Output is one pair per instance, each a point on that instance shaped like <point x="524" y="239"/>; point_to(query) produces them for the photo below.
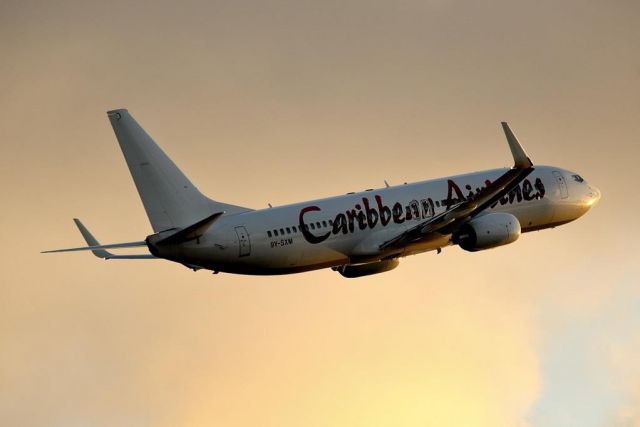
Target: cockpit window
<point x="578" y="178"/>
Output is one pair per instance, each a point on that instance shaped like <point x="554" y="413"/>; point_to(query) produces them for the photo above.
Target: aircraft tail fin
<point x="169" y="198"/>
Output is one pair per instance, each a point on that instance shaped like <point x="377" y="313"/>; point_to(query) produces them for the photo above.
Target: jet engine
<point x="488" y="231"/>
<point x="360" y="270"/>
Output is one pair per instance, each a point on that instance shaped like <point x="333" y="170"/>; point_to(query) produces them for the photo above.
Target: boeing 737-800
<point x="356" y="234"/>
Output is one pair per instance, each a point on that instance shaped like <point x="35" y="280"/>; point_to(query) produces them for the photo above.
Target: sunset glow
<point x="279" y="102"/>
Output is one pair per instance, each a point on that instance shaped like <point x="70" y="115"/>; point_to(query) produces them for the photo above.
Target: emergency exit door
<point x="243" y="241"/>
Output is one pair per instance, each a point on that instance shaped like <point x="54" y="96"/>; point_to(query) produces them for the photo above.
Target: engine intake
<point x="488" y="231"/>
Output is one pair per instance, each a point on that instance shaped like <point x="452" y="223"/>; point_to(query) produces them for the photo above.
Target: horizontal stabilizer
<point x="99" y="247"/>
<point x="91" y="241"/>
<point x="141" y="256"/>
<point x="100" y="250"/>
<point x="191" y="232"/>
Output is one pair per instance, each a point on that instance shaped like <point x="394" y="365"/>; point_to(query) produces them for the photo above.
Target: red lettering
<point x="309" y="237"/>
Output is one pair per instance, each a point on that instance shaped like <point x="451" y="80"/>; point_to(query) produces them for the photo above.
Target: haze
<point x="282" y="101"/>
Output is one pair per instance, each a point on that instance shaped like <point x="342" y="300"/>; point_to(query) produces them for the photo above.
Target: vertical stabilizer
<point x="170" y="199"/>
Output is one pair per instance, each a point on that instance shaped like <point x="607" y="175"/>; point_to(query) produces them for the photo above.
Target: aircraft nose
<point x="594" y="195"/>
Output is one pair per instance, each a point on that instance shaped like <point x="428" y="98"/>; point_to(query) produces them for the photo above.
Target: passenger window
<point x="331" y="222"/>
<point x="275" y="232"/>
<point x="313" y="227"/>
<point x="282" y="231"/>
<point x="438" y="203"/>
<point x="288" y="230"/>
<point x="294" y="229"/>
<point x="324" y="223"/>
<point x="318" y="224"/>
<point x="269" y="233"/>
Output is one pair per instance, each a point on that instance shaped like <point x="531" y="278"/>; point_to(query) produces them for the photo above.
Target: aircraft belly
<point x="430" y="245"/>
<point x="329" y="252"/>
<point x="296" y="256"/>
<point x="531" y="215"/>
<point x="567" y="211"/>
<point x="279" y="257"/>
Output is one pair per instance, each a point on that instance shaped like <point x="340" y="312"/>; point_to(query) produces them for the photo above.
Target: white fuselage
<point x="349" y="229"/>
<point x="357" y="234"/>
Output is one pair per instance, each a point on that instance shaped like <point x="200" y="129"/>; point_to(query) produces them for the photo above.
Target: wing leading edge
<point x="450" y="220"/>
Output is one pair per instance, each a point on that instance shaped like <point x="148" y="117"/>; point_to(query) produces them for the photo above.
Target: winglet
<point x="91" y="241"/>
<point x="520" y="158"/>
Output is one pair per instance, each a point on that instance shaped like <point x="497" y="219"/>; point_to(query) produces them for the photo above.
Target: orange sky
<point x="281" y="101"/>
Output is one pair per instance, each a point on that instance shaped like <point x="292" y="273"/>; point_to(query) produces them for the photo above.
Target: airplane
<point x="356" y="234"/>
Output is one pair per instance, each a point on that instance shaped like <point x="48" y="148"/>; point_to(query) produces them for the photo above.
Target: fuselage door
<point x="243" y="241"/>
<point x="562" y="184"/>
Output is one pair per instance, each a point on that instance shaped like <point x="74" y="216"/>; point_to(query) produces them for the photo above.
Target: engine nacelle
<point x="488" y="231"/>
<point x="360" y="270"/>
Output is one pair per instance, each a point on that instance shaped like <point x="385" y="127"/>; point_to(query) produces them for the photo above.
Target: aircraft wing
<point x="450" y="220"/>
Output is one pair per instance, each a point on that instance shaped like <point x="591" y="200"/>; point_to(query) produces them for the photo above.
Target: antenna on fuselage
<point x="386" y="183"/>
<point x="270" y="205"/>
